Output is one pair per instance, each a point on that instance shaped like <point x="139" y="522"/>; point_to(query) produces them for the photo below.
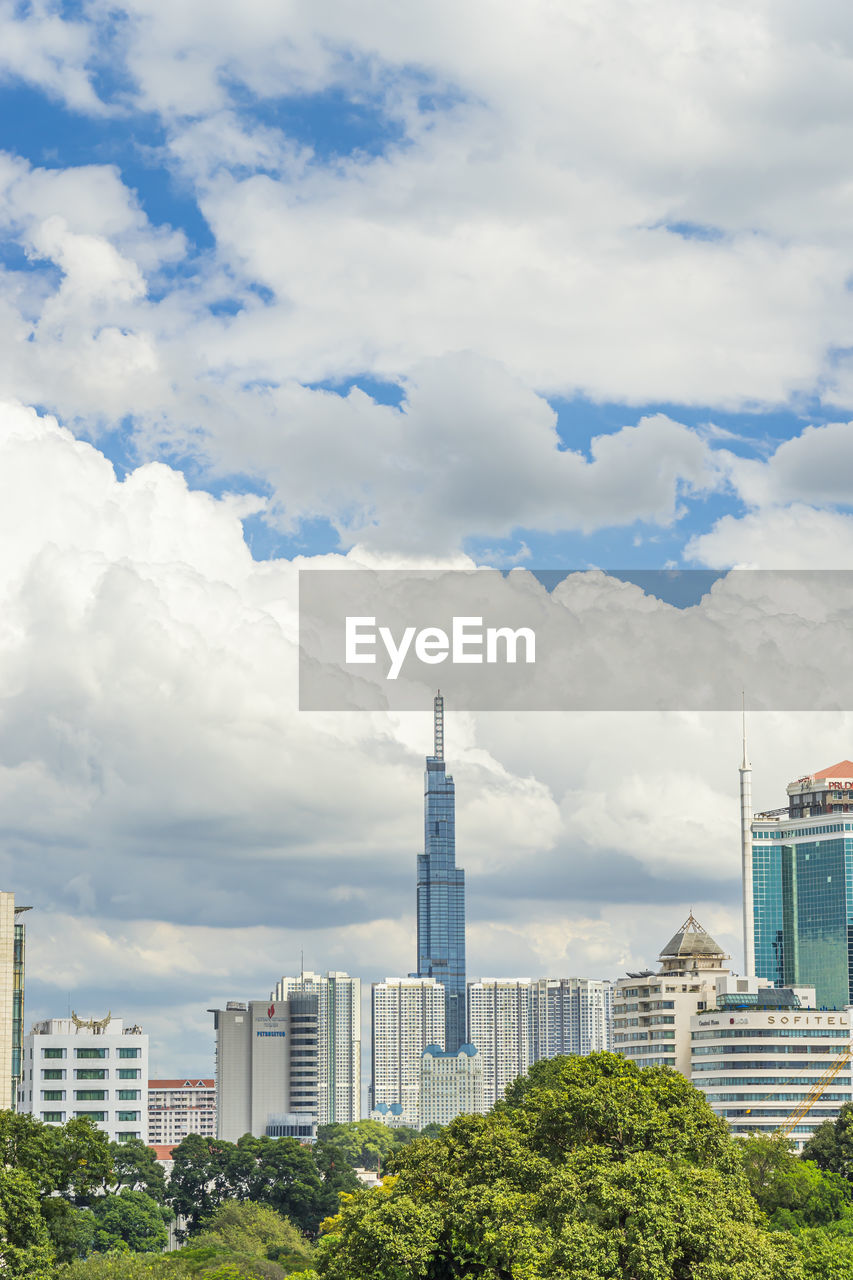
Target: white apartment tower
<point x="338" y="1041"/>
<point x="451" y="1084"/>
<point x="408" y="1015"/>
<point x="87" y="1067"/>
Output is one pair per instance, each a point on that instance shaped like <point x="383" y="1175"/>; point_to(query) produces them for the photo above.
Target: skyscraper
<point x="441" y="891"/>
<point x="802" y="885"/>
<point x="339" y="1041"/>
<point x="408" y="1015"/>
<point x="12" y="946"/>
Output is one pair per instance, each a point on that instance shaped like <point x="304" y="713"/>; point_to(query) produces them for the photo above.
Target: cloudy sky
<point x="319" y="283"/>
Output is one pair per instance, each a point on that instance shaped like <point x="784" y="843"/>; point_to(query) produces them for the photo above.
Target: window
<point x="53" y="1053"/>
<point x="128" y="1095"/>
<point x="127" y="1136"/>
<point x="129" y="1073"/>
<point x="90" y="1073"/>
<point x="53" y="1073"/>
<point x="129" y="1053"/>
<point x="53" y="1117"/>
<point x="91" y="1053"/>
<point x="53" y="1095"/>
<point x="90" y="1095"/>
<point x="98" y="1116"/>
<point x="125" y="1116"/>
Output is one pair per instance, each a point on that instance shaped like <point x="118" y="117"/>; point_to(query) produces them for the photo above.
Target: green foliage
<point x="831" y="1145"/>
<point x="135" y="1165"/>
<point x="794" y="1193"/>
<point x="71" y="1230"/>
<point x="72" y="1159"/>
<point x="130" y="1221"/>
<point x="366" y="1144"/>
<point x="25" y="1248"/>
<point x="591" y="1169"/>
<point x="259" y="1231"/>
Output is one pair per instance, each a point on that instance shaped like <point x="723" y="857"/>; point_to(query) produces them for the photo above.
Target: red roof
<point x="162" y="1151"/>
<point x="842" y="770"/>
<point x="183" y="1084"/>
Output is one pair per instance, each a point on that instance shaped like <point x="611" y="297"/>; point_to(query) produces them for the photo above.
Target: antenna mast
<point x="438" y="717"/>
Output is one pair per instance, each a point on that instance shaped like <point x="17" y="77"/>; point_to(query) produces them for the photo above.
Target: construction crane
<point x="804" y="1107"/>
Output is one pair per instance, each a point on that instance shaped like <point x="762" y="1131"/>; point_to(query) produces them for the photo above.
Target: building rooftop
<point x="182" y="1084"/>
<point x="692" y="940"/>
<point x="844" y="769"/>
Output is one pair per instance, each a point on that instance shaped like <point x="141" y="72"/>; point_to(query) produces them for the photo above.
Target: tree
<point x="831" y="1144"/>
<point x="25" y="1248"/>
<point x="591" y="1168"/>
<point x="71" y="1230"/>
<point x="793" y="1192"/>
<point x="199" y="1184"/>
<point x="130" y="1221"/>
<point x="366" y="1144"/>
<point x="135" y="1165"/>
<point x="256" y="1231"/>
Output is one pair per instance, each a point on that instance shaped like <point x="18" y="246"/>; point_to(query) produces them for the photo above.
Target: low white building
<point x="451" y="1084"/>
<point x="86" y="1067"/>
<point x="758" y="1055"/>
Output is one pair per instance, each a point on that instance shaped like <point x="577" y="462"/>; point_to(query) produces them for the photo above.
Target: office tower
<point x="500" y="1023"/>
<point x="87" y="1067"/>
<point x="571" y="1015"/>
<point x="652" y="1011"/>
<point x="759" y="1052"/>
<point x="338" y="1041"/>
<point x="267" y="1068"/>
<point x="802" y="881"/>
<point x="451" y="1084"/>
<point x="407" y="1015"/>
<point x="177" y="1108"/>
<point x="11" y="998"/>
<point x="441" y="891"/>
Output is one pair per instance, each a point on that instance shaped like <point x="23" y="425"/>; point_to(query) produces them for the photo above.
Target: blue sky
<point x="476" y="283"/>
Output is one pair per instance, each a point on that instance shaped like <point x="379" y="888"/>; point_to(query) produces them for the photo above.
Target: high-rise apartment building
<point x="407" y="1015"/>
<point x="652" y="1011"/>
<point x="441" y="891"/>
<point x="515" y="1022"/>
<point x="338" y="1041"/>
<point x="451" y="1084"/>
<point x="177" y="1108"/>
<point x="798" y="861"/>
<point x="87" y="1067"/>
<point x="267" y="1068"/>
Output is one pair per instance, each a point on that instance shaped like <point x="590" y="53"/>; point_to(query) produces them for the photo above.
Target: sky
<point x="330" y="285"/>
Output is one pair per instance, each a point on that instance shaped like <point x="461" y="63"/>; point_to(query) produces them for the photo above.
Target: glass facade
<point x="803" y="913"/>
<point x="441" y="894"/>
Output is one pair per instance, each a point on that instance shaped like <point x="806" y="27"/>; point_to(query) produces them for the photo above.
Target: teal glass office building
<point x="802" y="877"/>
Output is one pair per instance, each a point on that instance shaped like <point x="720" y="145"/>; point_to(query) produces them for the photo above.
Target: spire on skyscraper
<point x="438" y="727"/>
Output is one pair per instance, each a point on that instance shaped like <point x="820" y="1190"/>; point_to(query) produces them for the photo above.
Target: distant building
<point x="798" y="884"/>
<point x="451" y="1084"/>
<point x="407" y="1015"/>
<point x="515" y="1022"/>
<point x="12" y="948"/>
<point x="338" y="1041"/>
<point x="87" y="1067"/>
<point x="266" y="1068"/>
<point x="652" y="1011"/>
<point x="178" y="1107"/>
<point x="758" y="1052"/>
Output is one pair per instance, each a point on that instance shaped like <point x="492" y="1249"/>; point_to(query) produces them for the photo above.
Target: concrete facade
<point x="451" y="1084"/>
<point x="87" y="1067"/>
<point x="177" y="1108"/>
<point x="407" y="1015"/>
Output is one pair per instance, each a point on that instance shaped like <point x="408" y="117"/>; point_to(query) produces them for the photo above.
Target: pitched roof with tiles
<point x="182" y="1084"/>
<point x="692" y="940"/>
<point x="842" y="770"/>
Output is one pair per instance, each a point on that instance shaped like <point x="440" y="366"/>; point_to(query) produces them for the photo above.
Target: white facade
<point x="514" y="1022"/>
<point x="177" y="1108"/>
<point x="339" y="1041"/>
<point x="652" y="1011"/>
<point x="500" y="1026"/>
<point x="756" y="1065"/>
<point x="451" y="1084"/>
<point x="407" y="1015"/>
<point x="88" y="1068"/>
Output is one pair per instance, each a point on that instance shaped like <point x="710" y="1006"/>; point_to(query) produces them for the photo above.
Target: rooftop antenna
<point x="438" y="721"/>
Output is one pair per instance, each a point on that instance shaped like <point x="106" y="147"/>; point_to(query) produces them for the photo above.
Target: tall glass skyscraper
<point x="441" y="892"/>
<point x="802" y="883"/>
